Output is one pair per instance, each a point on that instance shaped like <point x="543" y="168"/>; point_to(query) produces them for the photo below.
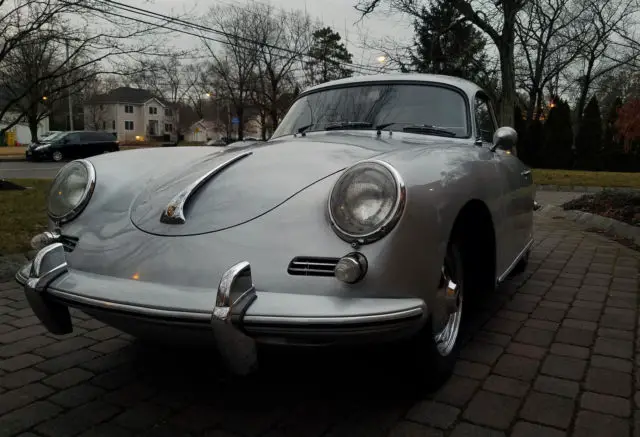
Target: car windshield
<point x="53" y="136"/>
<point x="398" y="106"/>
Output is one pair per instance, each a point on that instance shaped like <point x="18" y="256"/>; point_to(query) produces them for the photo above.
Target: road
<point x="25" y="169"/>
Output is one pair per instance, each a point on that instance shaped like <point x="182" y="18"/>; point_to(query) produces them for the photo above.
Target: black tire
<point x="431" y="368"/>
<point x="57" y="156"/>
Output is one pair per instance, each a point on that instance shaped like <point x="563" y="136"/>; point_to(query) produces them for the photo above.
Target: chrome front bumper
<point x="237" y="318"/>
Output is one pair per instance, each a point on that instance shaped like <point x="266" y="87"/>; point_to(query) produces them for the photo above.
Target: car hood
<point x="249" y="187"/>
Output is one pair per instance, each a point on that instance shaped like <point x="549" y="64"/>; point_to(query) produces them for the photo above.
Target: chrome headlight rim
<point x="389" y="223"/>
<point x="86" y="194"/>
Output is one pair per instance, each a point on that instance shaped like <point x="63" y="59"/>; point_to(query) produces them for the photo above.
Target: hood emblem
<point x="173" y="213"/>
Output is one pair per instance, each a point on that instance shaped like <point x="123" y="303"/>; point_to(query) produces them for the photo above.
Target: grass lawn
<point x="586" y="178"/>
<point x="24" y="214"/>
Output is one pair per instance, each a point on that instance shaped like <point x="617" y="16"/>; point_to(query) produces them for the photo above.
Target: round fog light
<point x="351" y="268"/>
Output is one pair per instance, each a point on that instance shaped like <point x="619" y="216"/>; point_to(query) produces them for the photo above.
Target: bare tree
<point x="496" y="18"/>
<point x="95" y="115"/>
<point x="283" y="39"/>
<point x="165" y="76"/>
<point x="232" y="66"/>
<point x="549" y="40"/>
<point x="61" y="43"/>
<point x="608" y="27"/>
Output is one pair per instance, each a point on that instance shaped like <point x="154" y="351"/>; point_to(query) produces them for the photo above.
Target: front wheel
<point x="433" y="352"/>
<point x="57" y="156"/>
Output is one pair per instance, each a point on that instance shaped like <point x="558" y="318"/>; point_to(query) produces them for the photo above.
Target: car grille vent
<point x="68" y="242"/>
<point x="312" y="266"/>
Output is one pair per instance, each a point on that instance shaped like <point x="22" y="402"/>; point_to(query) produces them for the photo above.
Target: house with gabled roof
<point x="133" y="114"/>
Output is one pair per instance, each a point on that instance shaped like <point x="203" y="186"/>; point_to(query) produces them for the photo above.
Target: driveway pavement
<point x="552" y="353"/>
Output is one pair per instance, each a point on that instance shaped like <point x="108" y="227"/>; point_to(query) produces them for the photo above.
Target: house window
<point x="101" y="107"/>
<point x="113" y="124"/>
<point x="128" y="125"/>
<point x="153" y="110"/>
<point x="168" y="127"/>
<point x="128" y="109"/>
<point x="167" y="112"/>
<point x="104" y="125"/>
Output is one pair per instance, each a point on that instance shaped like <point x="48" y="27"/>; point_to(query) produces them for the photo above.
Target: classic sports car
<point x="378" y="206"/>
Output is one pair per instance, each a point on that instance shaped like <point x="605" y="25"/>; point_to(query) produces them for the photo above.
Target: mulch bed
<point x="618" y="205"/>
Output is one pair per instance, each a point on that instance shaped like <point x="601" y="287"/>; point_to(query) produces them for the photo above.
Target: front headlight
<point x="366" y="202"/>
<point x="71" y="190"/>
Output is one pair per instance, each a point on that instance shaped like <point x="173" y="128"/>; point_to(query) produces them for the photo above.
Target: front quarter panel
<point x="440" y="182"/>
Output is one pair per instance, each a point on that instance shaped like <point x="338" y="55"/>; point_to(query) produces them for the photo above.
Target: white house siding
<point x="196" y="137"/>
<point x="22" y="131"/>
<point x="140" y="117"/>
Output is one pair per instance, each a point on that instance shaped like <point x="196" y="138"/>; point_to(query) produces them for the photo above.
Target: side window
<point x="85" y="137"/>
<point x="72" y="138"/>
<point x="484" y="119"/>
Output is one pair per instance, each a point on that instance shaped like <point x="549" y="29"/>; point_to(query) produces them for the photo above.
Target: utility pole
<point x="69" y="91"/>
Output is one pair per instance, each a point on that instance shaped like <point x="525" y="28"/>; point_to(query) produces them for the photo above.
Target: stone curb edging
<point x="611" y="227"/>
<point x="582" y="189"/>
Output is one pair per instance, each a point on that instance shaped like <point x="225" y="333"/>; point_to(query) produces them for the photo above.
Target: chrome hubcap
<point x="446" y="338"/>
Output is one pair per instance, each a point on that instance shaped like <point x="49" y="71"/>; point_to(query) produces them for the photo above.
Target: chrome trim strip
<point x="386" y="226"/>
<point x="206" y="316"/>
<point x="86" y="195"/>
<point x="116" y="306"/>
<point x="502" y="277"/>
<point x="174" y="211"/>
<point x="372" y="318"/>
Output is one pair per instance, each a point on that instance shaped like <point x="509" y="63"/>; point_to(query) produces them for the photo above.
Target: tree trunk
<point x="32" y="119"/>
<point x="531" y="108"/>
<point x="263" y="125"/>
<point x="240" y="115"/>
<point x="508" y="82"/>
<point x="584" y="91"/>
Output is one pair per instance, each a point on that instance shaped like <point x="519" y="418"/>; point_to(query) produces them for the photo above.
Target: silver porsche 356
<point x="377" y="207"/>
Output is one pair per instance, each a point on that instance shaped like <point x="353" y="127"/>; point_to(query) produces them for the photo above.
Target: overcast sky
<point x="339" y="14"/>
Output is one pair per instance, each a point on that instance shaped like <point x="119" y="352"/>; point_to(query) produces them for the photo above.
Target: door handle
<point x="526" y="173"/>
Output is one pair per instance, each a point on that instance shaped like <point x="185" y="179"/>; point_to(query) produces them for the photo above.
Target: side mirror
<point x="505" y="138"/>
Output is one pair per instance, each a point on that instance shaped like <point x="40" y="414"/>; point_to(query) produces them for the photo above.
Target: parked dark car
<point x="73" y="145"/>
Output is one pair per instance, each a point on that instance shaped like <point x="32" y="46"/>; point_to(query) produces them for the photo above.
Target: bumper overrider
<point x="235" y="319"/>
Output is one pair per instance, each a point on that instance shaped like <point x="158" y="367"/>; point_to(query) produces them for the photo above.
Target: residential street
<point x="553" y="357"/>
<point x="26" y="169"/>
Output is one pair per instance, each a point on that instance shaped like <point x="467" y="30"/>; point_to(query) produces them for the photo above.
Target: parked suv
<point x="73" y="145"/>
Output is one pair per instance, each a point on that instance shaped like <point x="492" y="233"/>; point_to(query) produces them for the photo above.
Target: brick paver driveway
<point x="552" y="353"/>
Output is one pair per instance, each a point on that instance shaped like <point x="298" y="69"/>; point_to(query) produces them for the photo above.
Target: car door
<point x="71" y="145"/>
<point x="95" y="143"/>
<point x="511" y="179"/>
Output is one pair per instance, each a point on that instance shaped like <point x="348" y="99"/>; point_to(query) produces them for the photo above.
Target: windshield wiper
<point x="302" y="129"/>
<point x="349" y="125"/>
<point x="427" y="129"/>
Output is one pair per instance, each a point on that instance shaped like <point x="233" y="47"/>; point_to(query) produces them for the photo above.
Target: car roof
<point x="465" y="85"/>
